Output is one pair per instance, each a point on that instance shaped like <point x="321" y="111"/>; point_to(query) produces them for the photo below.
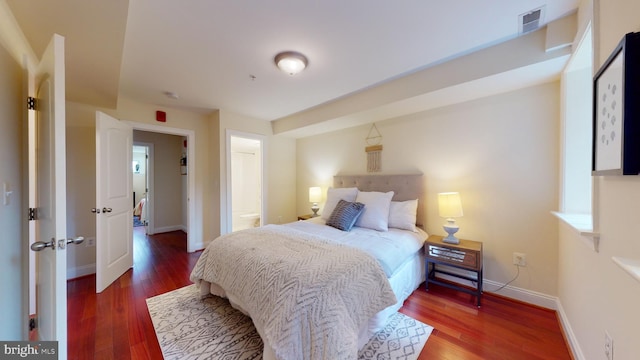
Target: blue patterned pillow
<point x="345" y="214"/>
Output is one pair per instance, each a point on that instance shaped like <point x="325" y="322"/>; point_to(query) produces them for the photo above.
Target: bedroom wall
<point x="167" y="183"/>
<point x="81" y="190"/>
<point x="11" y="214"/>
<point x="499" y="152"/>
<point x="595" y="293"/>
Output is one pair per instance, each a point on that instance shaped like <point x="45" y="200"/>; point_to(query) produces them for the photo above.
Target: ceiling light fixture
<point x="291" y="62"/>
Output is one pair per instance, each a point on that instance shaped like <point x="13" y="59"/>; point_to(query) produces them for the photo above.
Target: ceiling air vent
<point x="530" y="21"/>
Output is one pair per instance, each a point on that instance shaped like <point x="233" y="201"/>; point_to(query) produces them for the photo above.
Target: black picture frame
<point x="616" y="111"/>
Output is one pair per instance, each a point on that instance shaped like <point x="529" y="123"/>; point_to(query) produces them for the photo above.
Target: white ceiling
<point x="207" y="50"/>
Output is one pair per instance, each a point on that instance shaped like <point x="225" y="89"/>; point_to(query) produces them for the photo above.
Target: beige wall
<point x="499" y="152"/>
<point x="167" y="180"/>
<point x="81" y="191"/>
<point x="596" y="294"/>
<point x="11" y="214"/>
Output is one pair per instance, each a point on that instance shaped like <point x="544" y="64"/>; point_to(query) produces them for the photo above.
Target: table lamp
<point x="315" y="196"/>
<point x="450" y="207"/>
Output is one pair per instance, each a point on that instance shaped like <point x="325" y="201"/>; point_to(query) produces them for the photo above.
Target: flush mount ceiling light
<point x="291" y="62"/>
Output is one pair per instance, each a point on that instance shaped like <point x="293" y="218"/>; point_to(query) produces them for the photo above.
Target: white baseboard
<point x="165" y="229"/>
<point x="524" y="295"/>
<point x="576" y="351"/>
<point x="79" y="271"/>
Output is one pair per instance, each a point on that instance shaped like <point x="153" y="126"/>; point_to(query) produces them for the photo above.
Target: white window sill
<point x="583" y="224"/>
<point x="631" y="266"/>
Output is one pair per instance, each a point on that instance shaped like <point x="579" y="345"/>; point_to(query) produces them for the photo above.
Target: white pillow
<point x="335" y="195"/>
<point x="402" y="214"/>
<point x="376" y="210"/>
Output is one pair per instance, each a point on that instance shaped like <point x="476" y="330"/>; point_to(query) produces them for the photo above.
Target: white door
<point x="50" y="197"/>
<point x="114" y="196"/>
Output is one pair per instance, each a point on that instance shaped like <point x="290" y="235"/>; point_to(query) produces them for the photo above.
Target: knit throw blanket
<point x="311" y="296"/>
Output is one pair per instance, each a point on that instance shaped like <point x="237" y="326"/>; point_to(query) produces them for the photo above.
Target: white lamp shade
<point x="315" y="194"/>
<point x="449" y="205"/>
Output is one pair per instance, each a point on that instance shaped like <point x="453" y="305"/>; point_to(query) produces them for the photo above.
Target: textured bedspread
<point x="310" y="295"/>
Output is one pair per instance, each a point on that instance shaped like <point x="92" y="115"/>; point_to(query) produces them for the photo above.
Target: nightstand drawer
<point x="453" y="256"/>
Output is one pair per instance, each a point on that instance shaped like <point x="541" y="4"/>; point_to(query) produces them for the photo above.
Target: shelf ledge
<point x="631" y="266"/>
<point x="583" y="225"/>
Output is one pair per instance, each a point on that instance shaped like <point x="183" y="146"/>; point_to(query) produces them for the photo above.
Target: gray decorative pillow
<point x="345" y="214"/>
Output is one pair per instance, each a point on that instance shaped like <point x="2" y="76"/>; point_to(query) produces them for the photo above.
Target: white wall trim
<point x="520" y="294"/>
<point x="524" y="295"/>
<point x="164" y="229"/>
<point x="570" y="336"/>
<point x="79" y="271"/>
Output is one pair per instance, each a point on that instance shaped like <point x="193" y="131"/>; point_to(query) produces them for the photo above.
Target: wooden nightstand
<point x="305" y="217"/>
<point x="466" y="256"/>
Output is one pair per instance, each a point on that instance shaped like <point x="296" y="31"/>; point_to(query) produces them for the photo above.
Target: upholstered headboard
<point x="405" y="187"/>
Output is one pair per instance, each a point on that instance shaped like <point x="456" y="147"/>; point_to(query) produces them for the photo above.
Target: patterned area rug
<point x="188" y="327"/>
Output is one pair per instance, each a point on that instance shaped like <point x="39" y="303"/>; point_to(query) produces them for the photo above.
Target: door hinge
<point x="31" y="103"/>
<point x="32" y="324"/>
<point x="32" y="214"/>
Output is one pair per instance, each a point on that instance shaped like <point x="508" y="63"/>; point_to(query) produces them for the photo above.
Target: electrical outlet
<point x="90" y="241"/>
<point x="519" y="259"/>
<point x="608" y="346"/>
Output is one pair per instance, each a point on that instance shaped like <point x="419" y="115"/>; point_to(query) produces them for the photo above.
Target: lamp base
<point x="451" y="229"/>
<point x="315" y="209"/>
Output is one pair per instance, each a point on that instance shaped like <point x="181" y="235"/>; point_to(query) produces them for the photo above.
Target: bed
<point x="313" y="290"/>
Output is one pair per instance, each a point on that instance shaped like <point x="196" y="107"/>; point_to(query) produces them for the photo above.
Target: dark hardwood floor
<point x="116" y="324"/>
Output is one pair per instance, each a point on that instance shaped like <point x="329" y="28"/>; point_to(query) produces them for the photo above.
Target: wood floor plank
<point x="115" y="324"/>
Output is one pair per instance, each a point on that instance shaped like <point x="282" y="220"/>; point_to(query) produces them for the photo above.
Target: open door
<point x="114" y="196"/>
<point x="50" y="197"/>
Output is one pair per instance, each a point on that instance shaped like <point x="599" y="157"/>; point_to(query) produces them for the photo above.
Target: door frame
<point x="194" y="232"/>
<point x="149" y="183"/>
<point x="263" y="179"/>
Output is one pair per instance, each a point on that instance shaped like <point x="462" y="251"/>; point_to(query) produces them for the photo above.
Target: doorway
<point x="187" y="183"/>
<point x="158" y="181"/>
<point x="142" y="152"/>
<point x="245" y="199"/>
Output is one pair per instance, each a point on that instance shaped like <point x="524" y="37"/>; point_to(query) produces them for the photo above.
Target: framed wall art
<point x="616" y="111"/>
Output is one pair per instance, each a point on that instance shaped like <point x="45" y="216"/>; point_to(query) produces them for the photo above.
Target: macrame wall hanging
<point x="374" y="150"/>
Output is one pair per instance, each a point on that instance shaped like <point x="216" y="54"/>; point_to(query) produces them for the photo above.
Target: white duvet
<point x="391" y="248"/>
<point x="308" y="296"/>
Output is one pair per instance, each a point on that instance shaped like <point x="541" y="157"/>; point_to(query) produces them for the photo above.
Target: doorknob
<point x="64" y="242"/>
<point x="106" y="210"/>
<point x="95" y="211"/>
<point x="76" y="241"/>
<point x="39" y="245"/>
